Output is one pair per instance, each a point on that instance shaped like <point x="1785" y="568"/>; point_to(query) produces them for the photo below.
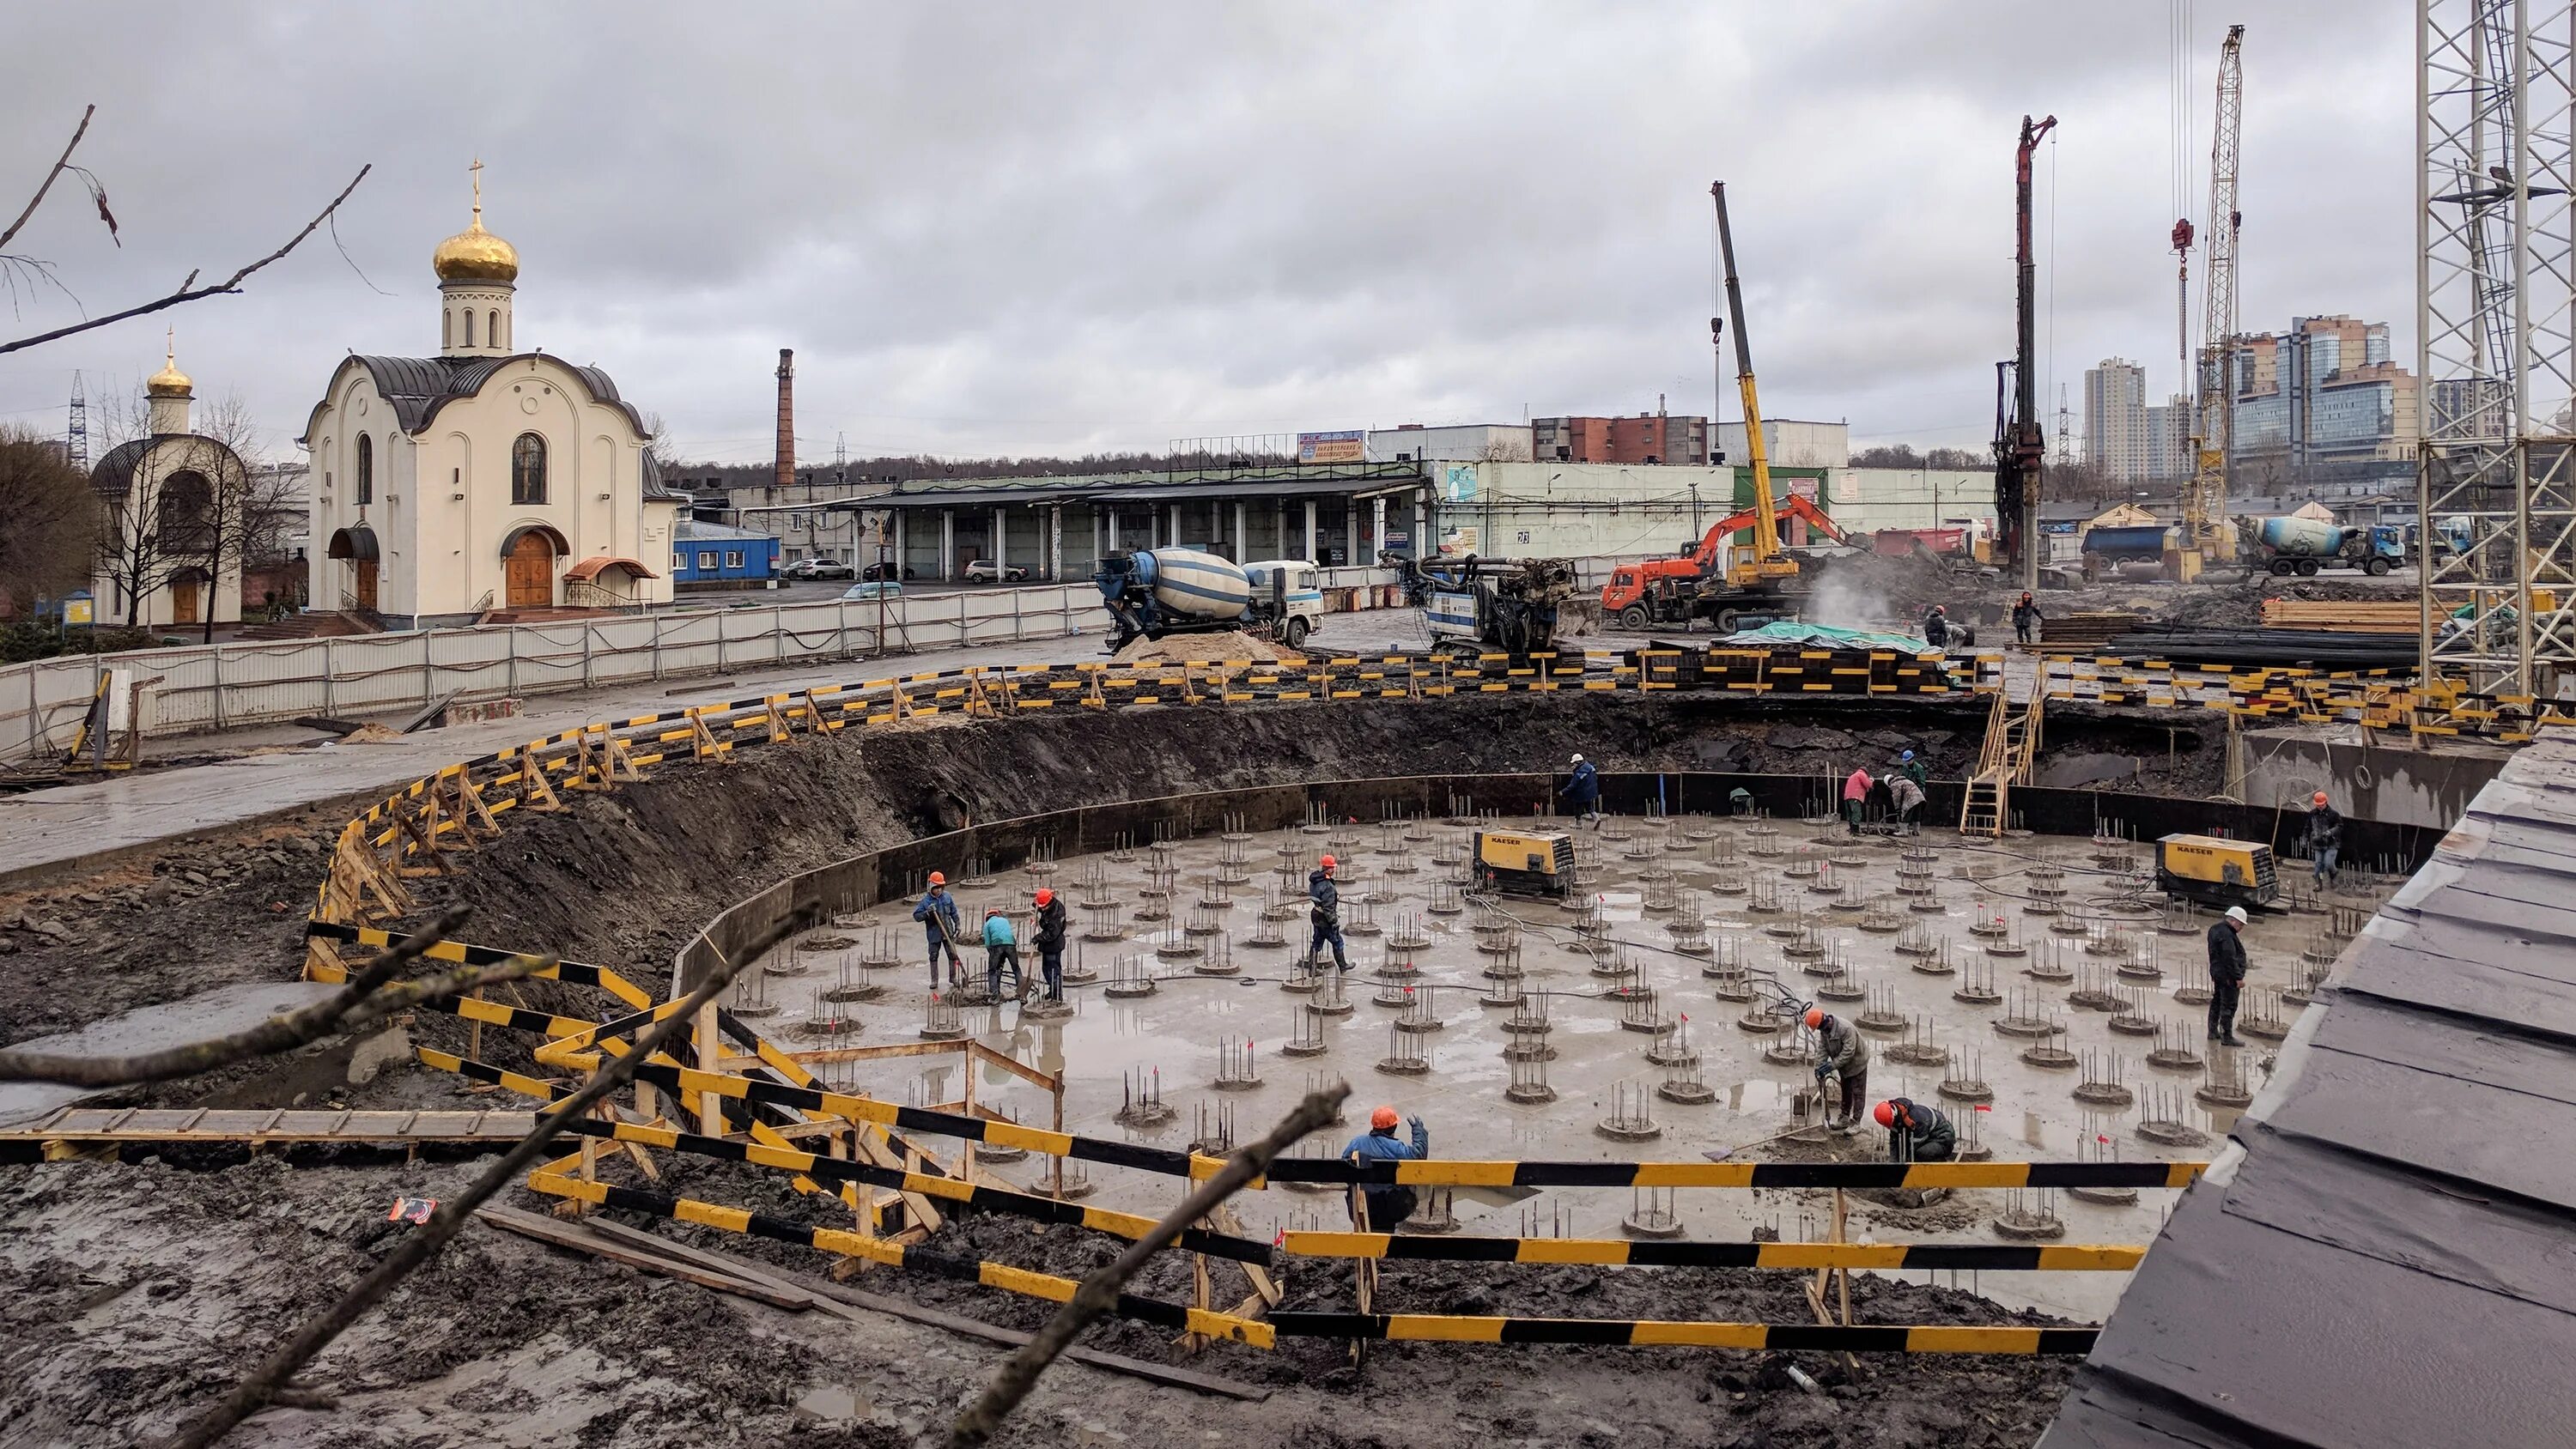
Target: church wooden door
<point x="531" y="572"/>
<point x="183" y="601"/>
<point x="367" y="584"/>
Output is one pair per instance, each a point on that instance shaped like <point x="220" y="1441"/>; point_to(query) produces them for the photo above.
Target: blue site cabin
<point x="718" y="556"/>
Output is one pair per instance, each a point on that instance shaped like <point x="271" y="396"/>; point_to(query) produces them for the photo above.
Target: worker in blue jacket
<point x="1388" y="1204"/>
<point x="1324" y="911"/>
<point x="938" y="916"/>
<point x="1583" y="791"/>
<point x="1002" y="948"/>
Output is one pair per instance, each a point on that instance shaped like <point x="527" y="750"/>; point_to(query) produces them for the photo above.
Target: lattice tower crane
<point x="2204" y="504"/>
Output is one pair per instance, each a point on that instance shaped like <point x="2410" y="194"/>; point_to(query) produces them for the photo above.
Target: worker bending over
<point x="2226" y="974"/>
<point x="1907" y="797"/>
<point x="1324" y="910"/>
<point x="1936" y="626"/>
<point x="1002" y="948"/>
<point x="938" y="916"/>
<point x="2025" y="617"/>
<point x="1583" y="791"/>
<point x="2325" y="838"/>
<point x="1840" y="1052"/>
<point x="1385" y="1205"/>
<point x="1050" y="943"/>
<point x="1856" y="787"/>
<point x="1916" y="1132"/>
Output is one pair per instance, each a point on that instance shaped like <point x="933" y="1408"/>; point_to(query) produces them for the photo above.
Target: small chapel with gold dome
<point x="486" y="481"/>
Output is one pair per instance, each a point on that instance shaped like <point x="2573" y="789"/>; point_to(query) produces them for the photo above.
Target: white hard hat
<point x="2236" y="914"/>
<point x="1577" y="760"/>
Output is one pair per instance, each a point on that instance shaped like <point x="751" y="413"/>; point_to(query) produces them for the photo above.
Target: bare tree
<point x="238" y="504"/>
<point x="48" y="520"/>
<point x="16" y="268"/>
<point x="182" y="506"/>
<point x="1506" y="450"/>
<point x="665" y="452"/>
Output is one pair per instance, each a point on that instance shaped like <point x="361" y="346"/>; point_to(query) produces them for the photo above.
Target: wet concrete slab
<point x="1780" y="903"/>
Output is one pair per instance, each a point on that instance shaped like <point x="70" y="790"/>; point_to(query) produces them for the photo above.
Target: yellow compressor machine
<point x="1525" y="862"/>
<point x="2217" y="870"/>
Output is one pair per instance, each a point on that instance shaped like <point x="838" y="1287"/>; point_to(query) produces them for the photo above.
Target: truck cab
<point x="1288" y="592"/>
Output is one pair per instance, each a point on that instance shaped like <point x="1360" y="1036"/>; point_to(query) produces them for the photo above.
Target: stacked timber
<point x="2343" y="616"/>
<point x="2084" y="632"/>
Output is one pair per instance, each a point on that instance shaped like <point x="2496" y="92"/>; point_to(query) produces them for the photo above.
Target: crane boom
<point x="1766" y="526"/>
<point x="2204" y="510"/>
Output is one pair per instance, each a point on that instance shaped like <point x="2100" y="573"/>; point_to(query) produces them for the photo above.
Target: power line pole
<point x="76" y="432"/>
<point x="2065" y="432"/>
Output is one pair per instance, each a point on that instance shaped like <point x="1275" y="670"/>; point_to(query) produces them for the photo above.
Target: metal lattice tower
<point x="2065" y="432"/>
<point x="2496" y="323"/>
<point x="2214" y="424"/>
<point x="76" y="429"/>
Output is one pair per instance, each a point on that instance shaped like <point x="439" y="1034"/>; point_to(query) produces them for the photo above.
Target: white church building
<point x="174" y="509"/>
<point x="482" y="481"/>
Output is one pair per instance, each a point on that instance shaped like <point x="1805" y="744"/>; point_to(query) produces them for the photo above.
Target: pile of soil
<point x="1224" y="644"/>
<point x="2240" y="605"/>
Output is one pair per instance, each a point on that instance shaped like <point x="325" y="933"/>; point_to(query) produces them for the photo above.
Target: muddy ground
<point x="140" y="1288"/>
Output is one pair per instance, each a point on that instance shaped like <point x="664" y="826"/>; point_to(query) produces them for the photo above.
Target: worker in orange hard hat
<point x="1324" y="910"/>
<point x="1916" y="1132"/>
<point x="938" y="916"/>
<point x="2325" y="838"/>
<point x="1840" y="1052"/>
<point x="1050" y="944"/>
<point x="1387" y="1203"/>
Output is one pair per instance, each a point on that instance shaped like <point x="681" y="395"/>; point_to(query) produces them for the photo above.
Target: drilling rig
<point x="2021" y="443"/>
<point x="2206" y="537"/>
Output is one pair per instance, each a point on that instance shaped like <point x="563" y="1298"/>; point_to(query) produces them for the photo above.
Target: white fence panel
<point x="476" y="661"/>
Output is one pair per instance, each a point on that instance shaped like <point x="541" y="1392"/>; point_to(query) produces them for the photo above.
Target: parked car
<point x="881" y="571"/>
<point x="872" y="590"/>
<point x="985" y="571"/>
<point x="820" y="568"/>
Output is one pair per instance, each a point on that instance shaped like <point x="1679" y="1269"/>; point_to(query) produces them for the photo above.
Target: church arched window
<point x="469" y="326"/>
<point x="447" y="328"/>
<point x="186" y="509"/>
<point x="366" y="469"/>
<point x="492" y="328"/>
<point x="528" y="469"/>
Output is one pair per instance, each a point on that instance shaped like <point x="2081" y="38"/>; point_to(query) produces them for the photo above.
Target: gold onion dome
<point x="475" y="255"/>
<point x="169" y="381"/>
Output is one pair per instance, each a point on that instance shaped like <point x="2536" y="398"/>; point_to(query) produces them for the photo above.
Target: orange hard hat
<point x="1045" y="895"/>
<point x="1382" y="1117"/>
<point x="936" y="878"/>
<point x="1815" y="1016"/>
<point x="1328" y="862"/>
<point x="2318" y="798"/>
<point x="1885" y="1112"/>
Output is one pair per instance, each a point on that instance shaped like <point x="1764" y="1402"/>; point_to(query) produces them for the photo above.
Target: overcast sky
<point x="1027" y="229"/>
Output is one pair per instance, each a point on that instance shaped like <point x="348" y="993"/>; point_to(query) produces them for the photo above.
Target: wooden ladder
<point x="2011" y="747"/>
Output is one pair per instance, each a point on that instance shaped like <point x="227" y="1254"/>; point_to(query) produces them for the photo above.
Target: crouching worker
<point x="1001" y="948"/>
<point x="1387" y="1204"/>
<point x="1915" y="1132"/>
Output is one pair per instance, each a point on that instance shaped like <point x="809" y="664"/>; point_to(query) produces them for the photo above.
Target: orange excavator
<point x="1719" y="581"/>
<point x="1694" y="585"/>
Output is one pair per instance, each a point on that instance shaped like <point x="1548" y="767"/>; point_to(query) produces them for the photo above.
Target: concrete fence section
<point x="222" y="686"/>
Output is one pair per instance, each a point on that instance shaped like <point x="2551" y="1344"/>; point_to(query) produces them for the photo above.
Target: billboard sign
<point x="1458" y="483"/>
<point x="1350" y="446"/>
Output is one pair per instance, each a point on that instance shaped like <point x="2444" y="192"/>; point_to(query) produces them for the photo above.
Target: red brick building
<point x="1645" y="438"/>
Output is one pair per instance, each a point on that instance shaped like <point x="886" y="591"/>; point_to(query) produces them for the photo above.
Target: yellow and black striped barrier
<point x="895" y="1255"/>
<point x="1621" y="1253"/>
<point x="1655" y="1333"/>
<point x="947" y="1189"/>
<point x="458" y="953"/>
<point x="1445" y="1172"/>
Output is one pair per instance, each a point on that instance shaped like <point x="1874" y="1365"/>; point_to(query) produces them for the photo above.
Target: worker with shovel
<point x="1916" y="1132"/>
<point x="1840" y="1052"/>
<point x="938" y="915"/>
<point x="1002" y="948"/>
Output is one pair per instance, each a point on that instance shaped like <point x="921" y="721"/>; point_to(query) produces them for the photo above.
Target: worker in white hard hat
<point x="2226" y="974"/>
<point x="1583" y="791"/>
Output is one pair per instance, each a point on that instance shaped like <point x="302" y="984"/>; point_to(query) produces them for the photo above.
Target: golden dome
<point x="475" y="255"/>
<point x="169" y="381"/>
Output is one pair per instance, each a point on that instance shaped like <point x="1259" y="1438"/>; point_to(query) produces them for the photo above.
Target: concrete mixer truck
<point x="1154" y="592"/>
<point x="2293" y="545"/>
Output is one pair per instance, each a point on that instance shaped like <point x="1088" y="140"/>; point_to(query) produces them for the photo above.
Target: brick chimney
<point x="786" y="417"/>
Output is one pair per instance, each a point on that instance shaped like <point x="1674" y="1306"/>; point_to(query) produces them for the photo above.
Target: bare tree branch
<point x="409" y="994"/>
<point x="1099" y="1292"/>
<point x="61" y="164"/>
<point x="277" y="1034"/>
<point x="261" y="1388"/>
<point x="185" y="292"/>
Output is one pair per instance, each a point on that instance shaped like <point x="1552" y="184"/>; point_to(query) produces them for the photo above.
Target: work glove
<point x="1823" y="1070"/>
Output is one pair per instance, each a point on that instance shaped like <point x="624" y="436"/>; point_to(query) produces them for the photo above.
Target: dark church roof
<point x="419" y="386"/>
<point x="113" y="476"/>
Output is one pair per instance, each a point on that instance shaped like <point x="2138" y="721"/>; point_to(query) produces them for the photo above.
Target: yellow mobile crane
<point x="1762" y="565"/>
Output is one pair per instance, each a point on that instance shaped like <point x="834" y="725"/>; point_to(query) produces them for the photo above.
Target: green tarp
<point x="1787" y="634"/>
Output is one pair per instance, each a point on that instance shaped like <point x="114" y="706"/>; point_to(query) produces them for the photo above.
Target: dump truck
<point x="1154" y="592"/>
<point x="2294" y="545"/>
